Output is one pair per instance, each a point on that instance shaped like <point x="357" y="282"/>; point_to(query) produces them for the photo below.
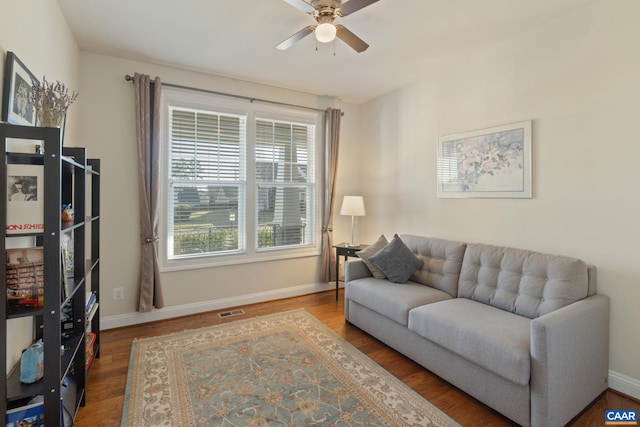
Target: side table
<point x="347" y="251"/>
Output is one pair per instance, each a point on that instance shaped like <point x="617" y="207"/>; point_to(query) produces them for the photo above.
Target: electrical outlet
<point x="118" y="294"/>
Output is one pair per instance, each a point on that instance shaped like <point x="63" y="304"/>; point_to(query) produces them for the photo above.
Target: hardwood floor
<point x="105" y="391"/>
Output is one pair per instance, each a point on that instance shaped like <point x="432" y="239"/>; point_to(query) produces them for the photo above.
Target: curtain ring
<point x="151" y="239"/>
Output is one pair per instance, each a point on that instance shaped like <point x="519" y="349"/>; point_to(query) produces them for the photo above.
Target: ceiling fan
<point x="325" y="12"/>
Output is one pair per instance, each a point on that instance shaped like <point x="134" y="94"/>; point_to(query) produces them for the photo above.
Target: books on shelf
<point x="90" y="339"/>
<point x="25" y="279"/>
<point x="25" y="199"/>
<point x="90" y="299"/>
<point x="91" y="306"/>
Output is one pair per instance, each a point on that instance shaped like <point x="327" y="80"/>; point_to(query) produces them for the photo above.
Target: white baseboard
<point x="624" y="384"/>
<point x="120" y="320"/>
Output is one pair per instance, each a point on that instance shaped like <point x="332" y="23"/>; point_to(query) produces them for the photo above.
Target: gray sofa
<point x="521" y="331"/>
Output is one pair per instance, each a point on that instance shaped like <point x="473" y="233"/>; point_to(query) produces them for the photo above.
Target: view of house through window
<point x="214" y="206"/>
<point x="285" y="182"/>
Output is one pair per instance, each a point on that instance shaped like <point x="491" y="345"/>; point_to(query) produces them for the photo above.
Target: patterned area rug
<point x="286" y="369"/>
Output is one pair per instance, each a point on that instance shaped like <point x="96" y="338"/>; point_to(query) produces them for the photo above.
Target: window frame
<point x="220" y="104"/>
<point x="312" y="156"/>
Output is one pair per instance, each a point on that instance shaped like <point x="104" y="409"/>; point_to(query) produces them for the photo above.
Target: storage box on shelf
<point x="49" y="289"/>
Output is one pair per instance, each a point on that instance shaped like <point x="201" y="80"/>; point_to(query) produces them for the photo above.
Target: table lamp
<point x="354" y="206"/>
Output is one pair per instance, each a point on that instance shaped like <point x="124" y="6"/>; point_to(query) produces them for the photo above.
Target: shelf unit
<point x="60" y="319"/>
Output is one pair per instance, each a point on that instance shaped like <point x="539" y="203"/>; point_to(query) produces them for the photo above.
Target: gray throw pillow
<point x="370" y="251"/>
<point x="396" y="261"/>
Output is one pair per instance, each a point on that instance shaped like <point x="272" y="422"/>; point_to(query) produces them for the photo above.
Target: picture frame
<point x="65" y="288"/>
<point x="16" y="107"/>
<point x="24" y="279"/>
<point x="67" y="245"/>
<point x="25" y="199"/>
<point x="487" y="163"/>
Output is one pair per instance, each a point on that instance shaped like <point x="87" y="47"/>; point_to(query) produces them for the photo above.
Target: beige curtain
<point x="147" y="107"/>
<point x="332" y="120"/>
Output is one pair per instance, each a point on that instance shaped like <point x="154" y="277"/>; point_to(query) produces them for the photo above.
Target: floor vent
<point x="231" y="313"/>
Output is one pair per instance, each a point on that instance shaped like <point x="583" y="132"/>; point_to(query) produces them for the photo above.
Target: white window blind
<point x="285" y="180"/>
<point x="207" y="182"/>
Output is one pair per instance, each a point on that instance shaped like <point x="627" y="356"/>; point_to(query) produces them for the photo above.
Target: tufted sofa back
<point x="441" y="262"/>
<point x="524" y="282"/>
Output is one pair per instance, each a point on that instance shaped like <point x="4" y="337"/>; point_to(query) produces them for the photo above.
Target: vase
<point x="50" y="118"/>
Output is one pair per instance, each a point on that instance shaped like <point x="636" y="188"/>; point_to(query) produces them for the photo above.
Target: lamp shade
<point x="353" y="205"/>
<point x="325" y="32"/>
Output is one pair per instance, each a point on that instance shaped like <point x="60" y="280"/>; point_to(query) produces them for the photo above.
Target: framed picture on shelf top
<point x="16" y="107"/>
<point x="488" y="163"/>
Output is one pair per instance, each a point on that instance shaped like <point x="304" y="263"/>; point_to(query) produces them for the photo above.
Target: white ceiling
<point x="238" y="37"/>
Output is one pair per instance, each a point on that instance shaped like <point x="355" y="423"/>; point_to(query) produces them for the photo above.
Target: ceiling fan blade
<point x="301" y="5"/>
<point x="351" y="39"/>
<point x="296" y="37"/>
<point x="354" y="5"/>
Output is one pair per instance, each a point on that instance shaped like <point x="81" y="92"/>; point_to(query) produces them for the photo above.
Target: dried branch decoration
<point x="51" y="101"/>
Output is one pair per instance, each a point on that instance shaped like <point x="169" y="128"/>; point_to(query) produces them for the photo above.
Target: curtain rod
<point x="246" y="98"/>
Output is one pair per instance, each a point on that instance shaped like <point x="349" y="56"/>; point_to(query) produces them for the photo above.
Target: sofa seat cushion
<point x="392" y="300"/>
<point x="492" y="338"/>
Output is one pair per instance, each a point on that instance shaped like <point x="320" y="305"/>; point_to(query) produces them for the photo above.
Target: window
<point x="207" y="181"/>
<point x="240" y="181"/>
<point x="286" y="184"/>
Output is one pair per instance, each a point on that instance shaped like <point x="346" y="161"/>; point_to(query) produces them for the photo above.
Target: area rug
<point x="285" y="369"/>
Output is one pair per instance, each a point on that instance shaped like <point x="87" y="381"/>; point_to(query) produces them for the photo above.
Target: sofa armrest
<point x="569" y="360"/>
<point x="355" y="269"/>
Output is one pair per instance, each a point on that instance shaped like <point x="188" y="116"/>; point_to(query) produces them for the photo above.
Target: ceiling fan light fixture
<point x="325" y="32"/>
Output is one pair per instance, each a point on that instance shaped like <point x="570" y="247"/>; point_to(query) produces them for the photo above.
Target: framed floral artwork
<point x="18" y="80"/>
<point x="488" y="163"/>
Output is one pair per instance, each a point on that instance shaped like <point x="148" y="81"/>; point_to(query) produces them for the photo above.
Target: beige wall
<point x="107" y="128"/>
<point x="38" y="34"/>
<point x="578" y="79"/>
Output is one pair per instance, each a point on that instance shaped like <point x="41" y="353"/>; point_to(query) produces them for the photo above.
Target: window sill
<point x="194" y="263"/>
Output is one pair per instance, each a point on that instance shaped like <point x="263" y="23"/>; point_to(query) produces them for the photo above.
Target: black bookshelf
<point x="59" y="312"/>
